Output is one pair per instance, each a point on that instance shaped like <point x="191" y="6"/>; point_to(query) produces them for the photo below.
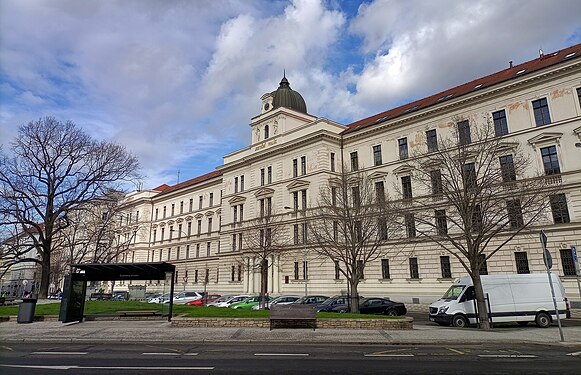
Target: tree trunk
<point x="44" y="275"/>
<point x="263" y="281"/>
<point x="480" y="302"/>
<point x="354" y="297"/>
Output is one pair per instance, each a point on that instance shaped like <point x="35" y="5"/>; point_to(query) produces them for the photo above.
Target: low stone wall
<point x="389" y="324"/>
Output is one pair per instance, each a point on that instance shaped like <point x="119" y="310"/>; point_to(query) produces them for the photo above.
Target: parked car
<point x="219" y="300"/>
<point x="383" y="306"/>
<point x="249" y="303"/>
<point x="310" y="300"/>
<point x="184" y="297"/>
<point x="159" y="299"/>
<point x="334" y="304"/>
<point x="204" y="301"/>
<point x="231" y="300"/>
<point x="281" y="300"/>
<point x="120" y="295"/>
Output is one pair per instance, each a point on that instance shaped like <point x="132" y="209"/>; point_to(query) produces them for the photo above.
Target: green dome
<point x="286" y="97"/>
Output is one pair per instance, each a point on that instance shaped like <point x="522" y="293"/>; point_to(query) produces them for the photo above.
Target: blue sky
<point x="177" y="82"/>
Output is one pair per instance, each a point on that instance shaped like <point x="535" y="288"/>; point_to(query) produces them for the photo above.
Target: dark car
<point x="310" y="300"/>
<point x="381" y="306"/>
<point x="334" y="304"/>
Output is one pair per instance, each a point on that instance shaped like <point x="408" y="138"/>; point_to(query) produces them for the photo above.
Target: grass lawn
<point x="110" y="307"/>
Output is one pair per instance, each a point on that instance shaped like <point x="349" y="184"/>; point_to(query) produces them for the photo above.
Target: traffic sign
<point x="547" y="259"/>
<point x="543" y="239"/>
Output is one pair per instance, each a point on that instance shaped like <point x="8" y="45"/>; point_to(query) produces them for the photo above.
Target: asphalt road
<point x="421" y="319"/>
<point x="271" y="359"/>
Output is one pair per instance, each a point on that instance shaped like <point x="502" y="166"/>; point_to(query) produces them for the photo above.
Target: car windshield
<point x="454" y="292"/>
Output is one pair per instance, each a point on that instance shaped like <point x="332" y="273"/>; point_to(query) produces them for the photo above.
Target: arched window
<point x="266" y="132"/>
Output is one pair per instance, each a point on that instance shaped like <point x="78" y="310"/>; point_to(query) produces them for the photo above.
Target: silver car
<point x="282" y="300"/>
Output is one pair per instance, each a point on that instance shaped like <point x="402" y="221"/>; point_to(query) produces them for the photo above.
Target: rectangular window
<point x="507" y="168"/>
<point x="464" y="136"/>
<point x="233" y="242"/>
<point x="162" y="234"/>
<point x="233" y="276"/>
<point x="181" y="207"/>
<point x="295" y="167"/>
<point x="173" y="208"/>
<point x="240" y="241"/>
<point x="432" y="140"/>
<point x="414" y="269"/>
<point x="211" y="199"/>
<point x="406" y="187"/>
<point x="579" y="96"/>
<point x="305" y="238"/>
<point x="377" y="155"/>
<point x="500" y="124"/>
<point x="385" y="269"/>
<point x="189" y="228"/>
<point x="360" y="270"/>
<point x="445" y="267"/>
<point x="332" y="162"/>
<point x="559" y="208"/>
<point x="550" y="160"/>
<point x="356" y="197"/>
<point x="195" y="276"/>
<point x="262" y="176"/>
<point x="156" y="213"/>
<point x="334" y="196"/>
<point x="200" y="202"/>
<point x="154" y="235"/>
<point x="208" y="246"/>
<point x="379" y="192"/>
<point x="296" y="271"/>
<point x="296" y="234"/>
<point x="304" y="199"/>
<point x="191" y="204"/>
<point x="476" y="219"/>
<point x="382" y="228"/>
<point x="337" y="270"/>
<point x="436" y="180"/>
<point x="261" y="202"/>
<point x="235" y="216"/>
<point x="410" y="225"/>
<point x="303" y="165"/>
<point x="180" y="231"/>
<point x="239" y="273"/>
<point x="296" y="200"/>
<point x="305" y="270"/>
<point x="335" y="230"/>
<point x="164" y="211"/>
<point x="469" y="176"/>
<point x="197" y="250"/>
<point x="236" y="184"/>
<point x="209" y="225"/>
<point x="403" y="148"/>
<point x="199" y="226"/>
<point x="269" y="175"/>
<point x="514" y="210"/>
<point x="241" y="212"/>
<point x="522" y="262"/>
<point x="567" y="262"/>
<point x="242" y="183"/>
<point x="187" y="251"/>
<point x="541" y="111"/>
<point x="483" y="265"/>
<point x="441" y="222"/>
<point x="354" y="161"/>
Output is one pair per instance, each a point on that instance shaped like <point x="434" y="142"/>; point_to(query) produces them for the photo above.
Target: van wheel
<point x="460" y="321"/>
<point x="543" y="320"/>
<point x="522" y="324"/>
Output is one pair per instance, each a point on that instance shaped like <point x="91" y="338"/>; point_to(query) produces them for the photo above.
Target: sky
<point x="177" y="82"/>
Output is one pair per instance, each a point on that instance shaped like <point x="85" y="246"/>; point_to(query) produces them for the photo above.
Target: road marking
<point x="574" y="354"/>
<point x="108" y="367"/>
<point x="388" y="355"/>
<point x="507" y="356"/>
<point x="166" y="353"/>
<point x="282" y="354"/>
<point x="61" y="353"/>
<point x="455" y="351"/>
<point x="7" y="348"/>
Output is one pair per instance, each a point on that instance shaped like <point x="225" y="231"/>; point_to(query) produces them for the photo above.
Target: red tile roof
<point x="508" y="74"/>
<point x="191" y="182"/>
<point x="162" y="187"/>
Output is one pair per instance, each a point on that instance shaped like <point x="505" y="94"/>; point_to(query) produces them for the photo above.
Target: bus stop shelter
<point x="75" y="286"/>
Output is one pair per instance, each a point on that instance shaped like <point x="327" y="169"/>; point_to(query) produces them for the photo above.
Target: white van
<point x="519" y="298"/>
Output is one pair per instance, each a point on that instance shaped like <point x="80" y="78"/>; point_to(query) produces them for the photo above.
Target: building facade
<point x="200" y="224"/>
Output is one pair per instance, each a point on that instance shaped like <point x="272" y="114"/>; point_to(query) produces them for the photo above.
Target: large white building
<point x="198" y="225"/>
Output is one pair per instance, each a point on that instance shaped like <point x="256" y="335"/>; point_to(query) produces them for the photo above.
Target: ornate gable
<point x="264" y="192"/>
<point x="545" y="138"/>
<point x="297" y="185"/>
<point x="237" y="199"/>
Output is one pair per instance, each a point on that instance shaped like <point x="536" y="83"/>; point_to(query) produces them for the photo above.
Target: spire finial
<point x="284" y="73"/>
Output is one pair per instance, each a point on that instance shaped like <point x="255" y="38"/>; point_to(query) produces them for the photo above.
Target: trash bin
<point x="26" y="310"/>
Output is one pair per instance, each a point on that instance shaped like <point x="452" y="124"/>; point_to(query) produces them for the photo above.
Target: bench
<point x="8" y="301"/>
<point x="296" y="316"/>
<point x="139" y="313"/>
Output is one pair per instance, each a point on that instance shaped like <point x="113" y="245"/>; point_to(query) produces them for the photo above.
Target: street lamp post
<point x="304" y="251"/>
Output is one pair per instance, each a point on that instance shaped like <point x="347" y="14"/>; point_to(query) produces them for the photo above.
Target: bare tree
<point x="477" y="198"/>
<point x="55" y="168"/>
<point x="351" y="225"/>
<point x="264" y="238"/>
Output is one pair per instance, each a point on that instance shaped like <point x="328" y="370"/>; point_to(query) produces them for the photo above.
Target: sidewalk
<point x="162" y="332"/>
